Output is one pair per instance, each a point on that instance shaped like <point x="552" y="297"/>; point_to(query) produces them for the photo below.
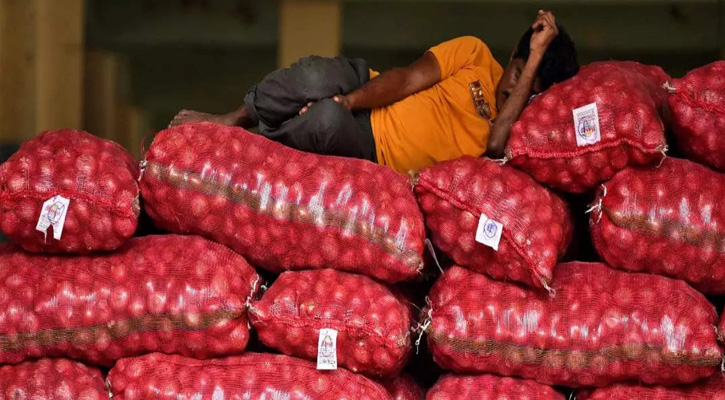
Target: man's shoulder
<point x="472" y="41"/>
<point x="462" y="53"/>
<point x="464" y="46"/>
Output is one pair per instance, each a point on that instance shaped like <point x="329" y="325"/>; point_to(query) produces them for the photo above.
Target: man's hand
<point x="306" y="108"/>
<point x="342" y="99"/>
<point x="545" y="30"/>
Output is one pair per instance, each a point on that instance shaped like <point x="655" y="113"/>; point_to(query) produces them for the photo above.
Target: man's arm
<point x="513" y="108"/>
<point x="545" y="31"/>
<point x="393" y="85"/>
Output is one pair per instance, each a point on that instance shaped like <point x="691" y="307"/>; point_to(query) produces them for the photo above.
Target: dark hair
<point x="559" y="62"/>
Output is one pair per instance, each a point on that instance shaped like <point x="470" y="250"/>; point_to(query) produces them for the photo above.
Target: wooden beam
<point x="133" y="128"/>
<point x="309" y="27"/>
<point x="108" y="109"/>
<point x="101" y="94"/>
<point x="18" y="57"/>
<point x="59" y="65"/>
<point x="41" y="66"/>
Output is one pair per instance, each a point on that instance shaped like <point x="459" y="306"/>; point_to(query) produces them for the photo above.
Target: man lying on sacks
<point x="456" y="100"/>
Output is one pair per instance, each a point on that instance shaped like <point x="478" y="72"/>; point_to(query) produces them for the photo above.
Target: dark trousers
<point x="327" y="127"/>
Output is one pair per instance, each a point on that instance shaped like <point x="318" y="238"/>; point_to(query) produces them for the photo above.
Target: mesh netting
<point x="602" y="327"/>
<point x="172" y="294"/>
<point x="710" y="389"/>
<point x="373" y="324"/>
<point x="51" y="379"/>
<point x="461" y="387"/>
<point x="628" y="97"/>
<point x="251" y="376"/>
<point x="698" y="114"/>
<point x="96" y="175"/>
<point x="667" y="221"/>
<point x="536" y="224"/>
<point x="281" y="208"/>
<point x="404" y="387"/>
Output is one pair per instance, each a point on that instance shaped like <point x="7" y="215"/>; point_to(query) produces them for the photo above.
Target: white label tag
<point x="586" y="125"/>
<point x="53" y="214"/>
<point x="489" y="232"/>
<point x="327" y="350"/>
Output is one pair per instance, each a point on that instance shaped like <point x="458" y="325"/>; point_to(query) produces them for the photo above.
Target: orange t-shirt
<point x="442" y="122"/>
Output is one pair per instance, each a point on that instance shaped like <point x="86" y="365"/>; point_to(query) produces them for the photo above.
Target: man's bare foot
<point x="189" y="116"/>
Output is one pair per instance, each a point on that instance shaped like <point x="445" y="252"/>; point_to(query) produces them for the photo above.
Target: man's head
<point x="558" y="64"/>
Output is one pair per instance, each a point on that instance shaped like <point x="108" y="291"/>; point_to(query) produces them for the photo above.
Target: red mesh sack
<point x="97" y="177"/>
<point x="546" y="143"/>
<point x="711" y="389"/>
<point x="602" y="327"/>
<point x="404" y="387"/>
<point x="457" y="387"/>
<point x="281" y="208"/>
<point x="372" y="324"/>
<point x="667" y="221"/>
<point x="250" y="376"/>
<point x="697" y="102"/>
<point x="51" y="379"/>
<point x="172" y="294"/>
<point x="536" y="223"/>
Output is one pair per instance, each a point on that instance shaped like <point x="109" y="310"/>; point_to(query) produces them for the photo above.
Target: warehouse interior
<point x="121" y="70"/>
